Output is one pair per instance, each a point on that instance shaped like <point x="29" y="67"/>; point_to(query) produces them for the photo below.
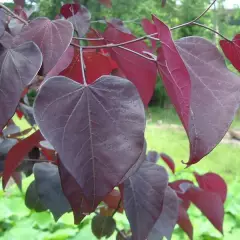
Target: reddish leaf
<point x="168" y="160"/>
<point x="106" y="123"/>
<point x="210" y="205"/>
<point x="23" y="62"/>
<point x="184" y="222"/>
<point x="149" y="28"/>
<point x="112" y="200"/>
<point x="51" y="37"/>
<point x="143" y="198"/>
<point x="107" y="3"/>
<point x="232" y="50"/>
<point x="93" y="60"/>
<point x="140" y="71"/>
<point x="63" y="62"/>
<point x="215" y="92"/>
<point x="168" y="217"/>
<point x="17" y="154"/>
<point x="92" y="33"/>
<point x="174" y="73"/>
<point x="213" y="183"/>
<point x="74" y="194"/>
<point x="68" y="10"/>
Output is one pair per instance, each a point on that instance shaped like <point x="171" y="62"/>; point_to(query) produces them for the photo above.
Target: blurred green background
<point x="163" y="133"/>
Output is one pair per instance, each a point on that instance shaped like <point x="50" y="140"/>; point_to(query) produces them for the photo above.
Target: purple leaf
<point x="63" y="62"/>
<point x="74" y="194"/>
<point x="47" y="145"/>
<point x="214" y="98"/>
<point x="11" y="129"/>
<point x="49" y="189"/>
<point x="23" y="62"/>
<point x="28" y="113"/>
<point x="98" y="146"/>
<point x="143" y="198"/>
<point x="168" y="218"/>
<point x="152" y="156"/>
<point x="52" y="37"/>
<point x="137" y="165"/>
<point x="118" y="24"/>
<point x="81" y="21"/>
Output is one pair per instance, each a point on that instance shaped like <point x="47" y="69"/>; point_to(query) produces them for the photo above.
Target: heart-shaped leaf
<point x="110" y="130"/>
<point x="23" y="62"/>
<point x="32" y="200"/>
<point x="49" y="189"/>
<point x="174" y="73"/>
<point x="52" y="37"/>
<point x="143" y="198"/>
<point x="74" y="194"/>
<point x="138" y="70"/>
<point x="17" y="154"/>
<point x="231" y="50"/>
<point x="149" y="28"/>
<point x="215" y="92"/>
<point x="212" y="182"/>
<point x="168" y="218"/>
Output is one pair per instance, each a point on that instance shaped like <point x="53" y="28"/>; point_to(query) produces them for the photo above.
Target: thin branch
<point x="88" y="39"/>
<point x="197" y="18"/>
<point x="137" y="53"/>
<point x="210" y="29"/>
<point x="13" y="14"/>
<point x="82" y="66"/>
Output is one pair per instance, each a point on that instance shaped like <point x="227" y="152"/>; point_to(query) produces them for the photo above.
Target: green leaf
<point x="42" y="220"/>
<point x="62" y="234"/>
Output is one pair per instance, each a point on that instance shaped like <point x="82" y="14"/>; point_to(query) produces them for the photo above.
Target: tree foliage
<point x="86" y="147"/>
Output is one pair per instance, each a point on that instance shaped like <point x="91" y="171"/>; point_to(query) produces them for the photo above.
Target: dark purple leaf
<point x="215" y="92"/>
<point x="81" y="21"/>
<point x="174" y="73"/>
<point x="110" y="130"/>
<point x="74" y="194"/>
<point x="168" y="160"/>
<point x="168" y="218"/>
<point x="23" y="62"/>
<point x="52" y="37"/>
<point x="143" y="198"/>
<point x="32" y="200"/>
<point x="184" y="221"/>
<point x="6" y="40"/>
<point x="138" y="70"/>
<point x="49" y="189"/>
<point x="152" y="156"/>
<point x="212" y="182"/>
<point x="137" y="165"/>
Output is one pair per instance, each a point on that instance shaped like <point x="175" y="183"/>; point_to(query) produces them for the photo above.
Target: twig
<point x="88" y="39"/>
<point x="13" y="14"/>
<point x="210" y="29"/>
<point x="82" y="66"/>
